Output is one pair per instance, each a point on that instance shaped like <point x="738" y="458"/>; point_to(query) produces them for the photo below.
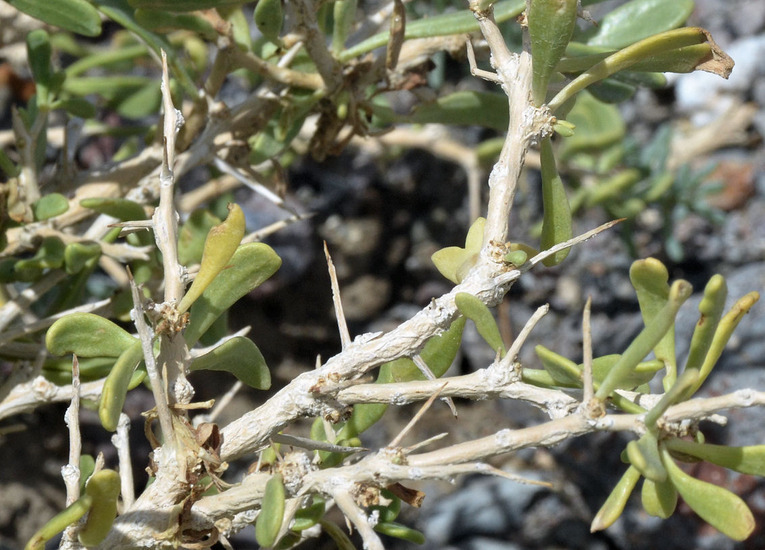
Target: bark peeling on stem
<point x="165" y="217"/>
<point x="526" y="123"/>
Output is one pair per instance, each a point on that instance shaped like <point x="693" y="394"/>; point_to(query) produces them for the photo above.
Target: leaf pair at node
<point x="228" y="272"/>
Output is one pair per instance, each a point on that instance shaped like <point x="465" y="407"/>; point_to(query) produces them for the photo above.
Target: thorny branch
<point x="461" y="458"/>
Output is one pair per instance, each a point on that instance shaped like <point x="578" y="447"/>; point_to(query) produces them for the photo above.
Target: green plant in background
<point x="319" y="65"/>
<point x="652" y="455"/>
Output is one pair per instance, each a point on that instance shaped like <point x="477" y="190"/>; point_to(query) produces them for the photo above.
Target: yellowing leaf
<point x="249" y="267"/>
<point x="659" y="499"/>
<point x="454" y="262"/>
<point x="221" y="243"/>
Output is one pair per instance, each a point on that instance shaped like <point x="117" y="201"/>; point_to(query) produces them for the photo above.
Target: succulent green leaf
<point x="659" y="499"/>
<point x="723" y="333"/>
<point x="248" y="268"/>
<point x="453" y="262"/>
<point x="269" y="18"/>
<point x="539" y="377"/>
<point x="644" y="455"/>
<point x="488" y="151"/>
<point x="643" y="373"/>
<point x="564" y="128"/>
<point x="269" y="521"/>
<point x="73" y="513"/>
<point x="87" y="467"/>
<point x="265" y="146"/>
<point x="516" y="257"/>
<point x="239" y="356"/>
<point x="717" y="506"/>
<point x="556" y="223"/>
<point x="647" y="339"/>
<point x="711" y="309"/>
<point x="59" y="371"/>
<point x="614" y="505"/>
<point x="390" y="511"/>
<point x="13" y="269"/>
<point x="220" y="244"/>
<point x="551" y="24"/>
<point x="79" y="255"/>
<point x="650" y="279"/>
<point x="399" y="531"/>
<point x="640" y="19"/>
<point x="73" y="15"/>
<point x="87" y="335"/>
<point x="240" y="28"/>
<point x="116" y="386"/>
<point x="474" y="237"/>
<point x="104" y="488"/>
<point x="563" y="371"/>
<point x="122" y="209"/>
<point x="269" y="455"/>
<point x="49" y="255"/>
<point x="747" y="460"/>
<point x="475" y="310"/>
